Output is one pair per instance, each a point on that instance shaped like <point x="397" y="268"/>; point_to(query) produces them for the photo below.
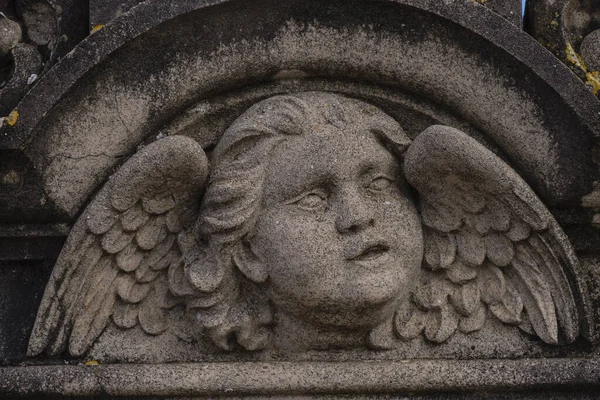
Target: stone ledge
<point x="272" y="378"/>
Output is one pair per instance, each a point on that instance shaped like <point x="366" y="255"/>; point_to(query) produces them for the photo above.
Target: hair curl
<point x="237" y="311"/>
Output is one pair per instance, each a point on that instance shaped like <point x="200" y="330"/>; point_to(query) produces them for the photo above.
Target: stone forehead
<point x="328" y="150"/>
<point x="306" y="113"/>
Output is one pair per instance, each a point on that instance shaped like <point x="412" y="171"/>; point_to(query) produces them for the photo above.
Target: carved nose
<point x="354" y="214"/>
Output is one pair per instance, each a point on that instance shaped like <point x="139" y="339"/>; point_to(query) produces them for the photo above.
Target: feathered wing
<point x="491" y="247"/>
<point x="122" y="260"/>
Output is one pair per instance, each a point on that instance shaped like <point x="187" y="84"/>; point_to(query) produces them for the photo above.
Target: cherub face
<point x="338" y="234"/>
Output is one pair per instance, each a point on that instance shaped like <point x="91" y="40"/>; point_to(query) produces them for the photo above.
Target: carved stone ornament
<point x="570" y="30"/>
<point x="328" y="198"/>
<point x="317" y="224"/>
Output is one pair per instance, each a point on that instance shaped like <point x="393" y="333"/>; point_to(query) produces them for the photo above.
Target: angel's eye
<point x="312" y="201"/>
<point x="380" y="184"/>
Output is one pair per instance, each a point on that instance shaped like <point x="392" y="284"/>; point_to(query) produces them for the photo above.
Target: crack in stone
<point x="70" y="157"/>
<point x="102" y="390"/>
<point x="118" y="111"/>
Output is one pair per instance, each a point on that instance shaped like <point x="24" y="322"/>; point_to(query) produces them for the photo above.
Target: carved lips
<point x="370" y="251"/>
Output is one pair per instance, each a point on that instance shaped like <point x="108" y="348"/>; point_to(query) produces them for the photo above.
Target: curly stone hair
<point x="237" y="311"/>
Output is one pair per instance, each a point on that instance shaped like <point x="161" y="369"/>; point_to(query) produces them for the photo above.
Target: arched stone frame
<point x="549" y="106"/>
<point x="108" y="81"/>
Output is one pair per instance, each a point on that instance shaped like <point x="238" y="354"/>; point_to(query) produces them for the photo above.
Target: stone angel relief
<point x="320" y="225"/>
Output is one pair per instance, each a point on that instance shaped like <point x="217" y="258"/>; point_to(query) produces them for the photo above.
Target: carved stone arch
<point x="461" y="84"/>
<point x="126" y="81"/>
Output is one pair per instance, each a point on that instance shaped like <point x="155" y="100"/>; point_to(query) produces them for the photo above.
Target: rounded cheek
<point x="297" y="251"/>
<point x="306" y="266"/>
<point x="403" y="227"/>
<point x="411" y="237"/>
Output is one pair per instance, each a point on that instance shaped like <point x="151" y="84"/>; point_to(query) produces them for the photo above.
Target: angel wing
<point x="122" y="260"/>
<point x="491" y="247"/>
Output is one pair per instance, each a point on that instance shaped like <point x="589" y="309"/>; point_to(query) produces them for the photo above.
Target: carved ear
<point x="248" y="262"/>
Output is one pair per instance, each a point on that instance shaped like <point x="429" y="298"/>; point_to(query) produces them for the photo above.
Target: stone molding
<point x="302" y="378"/>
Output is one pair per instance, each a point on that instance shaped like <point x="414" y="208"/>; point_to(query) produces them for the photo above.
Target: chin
<point x="378" y="290"/>
<point x="356" y="313"/>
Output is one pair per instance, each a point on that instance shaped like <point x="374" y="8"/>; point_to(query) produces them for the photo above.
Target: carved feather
<point x="130" y="257"/>
<point x="130" y="290"/>
<point x="174" y="222"/>
<point x="465" y="298"/>
<point x="510" y="306"/>
<point x="440" y="249"/>
<point x="508" y="241"/>
<point x="144" y="274"/>
<point x="115" y="262"/>
<point x="101" y="218"/>
<point x="471" y="246"/>
<point x="98" y="306"/>
<point x="125" y="315"/>
<point x="519" y="230"/>
<point x="433" y="293"/>
<point x="441" y="324"/>
<point x="475" y="321"/>
<point x="116" y="239"/>
<point x="441" y="217"/>
<point x="133" y="218"/>
<point x="411" y="324"/>
<point x="480" y="223"/>
<point x="151" y="233"/>
<point x="159" y="251"/>
<point x="460" y="272"/>
<point x="536" y="299"/>
<point x="178" y="281"/>
<point x="492" y="283"/>
<point x="552" y="256"/>
<point x="499" y="249"/>
<point x="499" y="214"/>
<point x="159" y="204"/>
<point x="151" y="316"/>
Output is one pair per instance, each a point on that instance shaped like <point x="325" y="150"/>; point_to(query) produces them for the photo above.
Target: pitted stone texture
<point x="590" y="50"/>
<point x="422" y="62"/>
<point x="49" y="29"/>
<point x="563" y="26"/>
<point x="477" y="94"/>
<point x="308" y="239"/>
<point x="10" y="35"/>
<point x="103" y="11"/>
<point x="40" y="18"/>
<point x="424" y="379"/>
<point x="27" y="65"/>
<point x="509" y="9"/>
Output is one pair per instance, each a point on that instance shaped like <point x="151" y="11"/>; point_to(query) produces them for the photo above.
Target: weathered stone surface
<point x="590" y="50"/>
<point x="563" y="26"/>
<point x="297" y="198"/>
<point x="27" y="64"/>
<point x="21" y="287"/>
<point x="46" y="30"/>
<point x="103" y="11"/>
<point x="255" y="271"/>
<point x="509" y="9"/>
<point x="286" y="51"/>
<point x="40" y="18"/>
<point x="11" y="35"/>
<point x="431" y="379"/>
